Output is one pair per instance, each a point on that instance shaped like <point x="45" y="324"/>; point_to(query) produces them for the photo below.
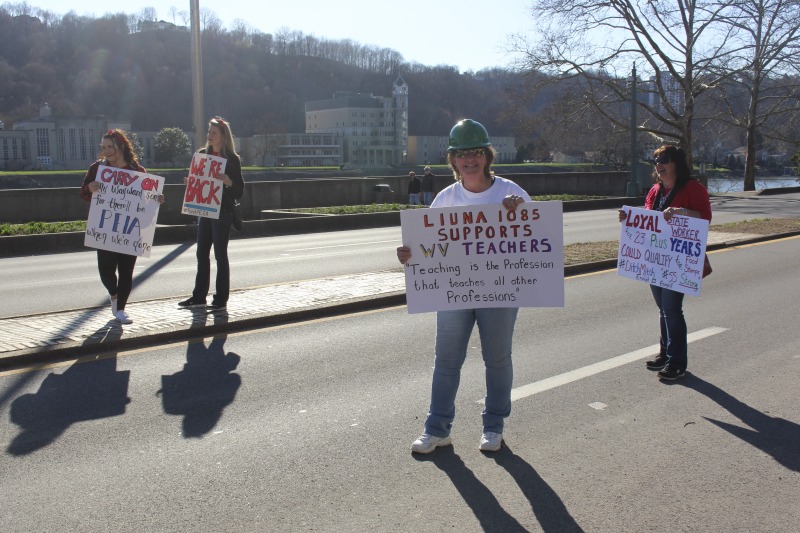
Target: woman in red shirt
<point x="675" y="192"/>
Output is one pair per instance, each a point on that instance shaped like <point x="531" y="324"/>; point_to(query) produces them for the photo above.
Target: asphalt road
<point x="48" y="283"/>
<point x="307" y="427"/>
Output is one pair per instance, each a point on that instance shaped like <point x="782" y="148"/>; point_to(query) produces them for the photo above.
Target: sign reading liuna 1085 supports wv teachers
<point x="203" y="195"/>
<point x="484" y="256"/>
<point x="123" y="213"/>
<point x="665" y="254"/>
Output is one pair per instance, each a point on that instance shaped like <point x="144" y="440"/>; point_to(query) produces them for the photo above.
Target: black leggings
<point x="108" y="263"/>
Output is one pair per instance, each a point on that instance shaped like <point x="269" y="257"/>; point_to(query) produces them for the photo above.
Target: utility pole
<point x="197" y="76"/>
<point x="634" y="188"/>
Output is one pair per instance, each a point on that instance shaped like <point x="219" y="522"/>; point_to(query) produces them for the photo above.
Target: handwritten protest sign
<point x="484" y="256"/>
<point x="203" y="196"/>
<point x="657" y="252"/>
<point x="123" y="213"/>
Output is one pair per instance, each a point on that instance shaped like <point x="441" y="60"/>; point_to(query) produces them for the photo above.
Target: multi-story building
<point x="432" y="149"/>
<point x="372" y="130"/>
<point x="672" y="91"/>
<point x="291" y="150"/>
<point x="55" y="141"/>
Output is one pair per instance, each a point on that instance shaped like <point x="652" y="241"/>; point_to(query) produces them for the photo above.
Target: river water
<point x="737" y="185"/>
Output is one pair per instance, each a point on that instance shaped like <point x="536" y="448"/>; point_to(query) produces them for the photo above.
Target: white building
<point x="55" y="141"/>
<point x="672" y="91"/>
<point x="291" y="150"/>
<point x="432" y="149"/>
<point x="372" y="130"/>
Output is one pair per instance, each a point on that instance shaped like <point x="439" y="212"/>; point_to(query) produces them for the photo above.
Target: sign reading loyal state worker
<point x="203" y="195"/>
<point x="123" y="213"/>
<point x="666" y="254"/>
<point x="484" y="256"/>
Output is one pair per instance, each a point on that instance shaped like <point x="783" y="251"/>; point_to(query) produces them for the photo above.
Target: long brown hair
<point x="682" y="170"/>
<point x="123" y="144"/>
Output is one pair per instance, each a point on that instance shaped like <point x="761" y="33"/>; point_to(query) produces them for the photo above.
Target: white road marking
<point x="587" y="371"/>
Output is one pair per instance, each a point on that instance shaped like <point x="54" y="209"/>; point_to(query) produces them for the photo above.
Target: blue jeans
<point x="453" y="329"/>
<point x="218" y="233"/>
<point x="427" y="197"/>
<point x="673" y="325"/>
<point x="413" y="199"/>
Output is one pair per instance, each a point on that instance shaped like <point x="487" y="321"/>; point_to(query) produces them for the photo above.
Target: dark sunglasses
<point x="471" y="152"/>
<point x="663" y="160"/>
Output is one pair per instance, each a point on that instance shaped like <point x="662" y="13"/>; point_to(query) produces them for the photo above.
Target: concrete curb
<point x="89" y="347"/>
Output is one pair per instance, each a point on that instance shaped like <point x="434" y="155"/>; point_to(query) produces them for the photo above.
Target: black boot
<point x="659" y="362"/>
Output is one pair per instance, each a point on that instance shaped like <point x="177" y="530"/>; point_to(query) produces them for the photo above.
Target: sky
<point x="469" y="34"/>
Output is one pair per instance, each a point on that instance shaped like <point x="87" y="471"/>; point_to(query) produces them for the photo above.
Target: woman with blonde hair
<point x="216" y="232"/>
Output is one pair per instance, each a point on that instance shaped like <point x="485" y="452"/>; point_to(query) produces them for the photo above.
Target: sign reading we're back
<point x="203" y="196"/>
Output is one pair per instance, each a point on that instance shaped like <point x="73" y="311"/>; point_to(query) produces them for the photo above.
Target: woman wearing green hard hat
<point x="470" y="155"/>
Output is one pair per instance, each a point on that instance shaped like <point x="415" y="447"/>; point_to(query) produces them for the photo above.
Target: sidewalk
<point x="69" y="334"/>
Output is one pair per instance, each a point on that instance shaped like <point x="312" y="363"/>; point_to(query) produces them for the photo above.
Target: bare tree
<point x="173" y="12"/>
<point x="597" y="41"/>
<point x="764" y="68"/>
<point x="209" y="20"/>
<point x="241" y="30"/>
<point x="149" y="14"/>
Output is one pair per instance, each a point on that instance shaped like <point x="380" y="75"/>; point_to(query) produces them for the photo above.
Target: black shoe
<point x="192" y="302"/>
<point x="658" y="363"/>
<point x="216" y="306"/>
<point x="671" y="373"/>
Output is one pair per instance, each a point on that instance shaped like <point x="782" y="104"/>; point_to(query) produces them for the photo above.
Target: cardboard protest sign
<point x="203" y="196"/>
<point x="657" y="252"/>
<point x="484" y="256"/>
<point x="123" y="213"/>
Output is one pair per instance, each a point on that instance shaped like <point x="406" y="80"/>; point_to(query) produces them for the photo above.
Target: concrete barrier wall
<point x="61" y="204"/>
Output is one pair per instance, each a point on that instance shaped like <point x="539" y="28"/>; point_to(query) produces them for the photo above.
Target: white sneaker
<point x="427" y="443"/>
<point x="123" y="317"/>
<point x="490" y="441"/>
<point x="113" y="305"/>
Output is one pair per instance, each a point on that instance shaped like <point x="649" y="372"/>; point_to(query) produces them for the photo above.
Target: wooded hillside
<point x="97" y="66"/>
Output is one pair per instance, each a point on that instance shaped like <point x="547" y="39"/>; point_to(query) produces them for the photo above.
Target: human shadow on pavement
<point x="479" y="498"/>
<point x="777" y="437"/>
<point x="550" y="511"/>
<point x="88" y="315"/>
<point x="90" y="389"/>
<point x="205" y="386"/>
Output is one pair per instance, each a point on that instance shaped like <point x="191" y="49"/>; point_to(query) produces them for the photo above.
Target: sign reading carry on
<point x="484" y="256"/>
<point x="666" y="254"/>
<point x="203" y="196"/>
<point x="123" y="213"/>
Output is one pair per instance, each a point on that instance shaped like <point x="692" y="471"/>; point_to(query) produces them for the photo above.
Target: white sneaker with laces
<point x="426" y="443"/>
<point x="113" y="305"/>
<point x="123" y="317"/>
<point x="490" y="441"/>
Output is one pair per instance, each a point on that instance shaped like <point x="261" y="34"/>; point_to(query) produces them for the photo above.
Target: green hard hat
<point x="468" y="133"/>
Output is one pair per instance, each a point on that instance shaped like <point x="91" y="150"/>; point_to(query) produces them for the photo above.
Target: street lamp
<point x="633" y="185"/>
<point x="197" y="76"/>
